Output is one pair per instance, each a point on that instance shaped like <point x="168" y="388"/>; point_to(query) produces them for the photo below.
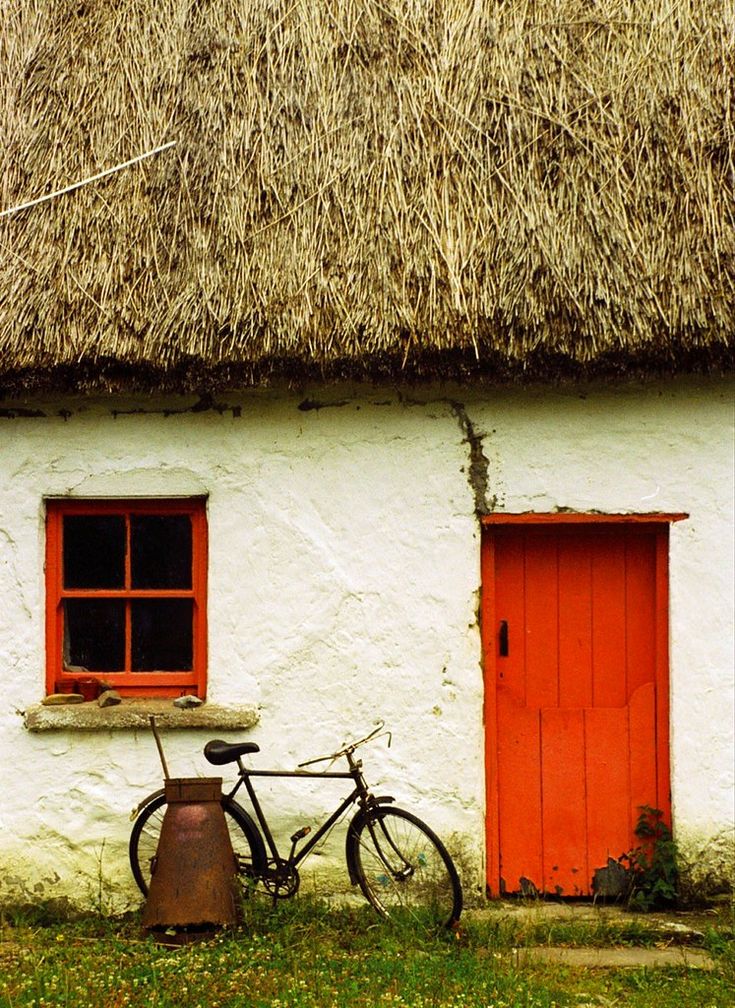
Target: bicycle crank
<point x="281" y="879"/>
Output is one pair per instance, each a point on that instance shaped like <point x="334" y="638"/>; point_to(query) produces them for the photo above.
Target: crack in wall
<point x="479" y="463"/>
<point x="477" y="471"/>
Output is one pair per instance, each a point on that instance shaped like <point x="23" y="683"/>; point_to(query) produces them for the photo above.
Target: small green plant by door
<point x="652" y="867"/>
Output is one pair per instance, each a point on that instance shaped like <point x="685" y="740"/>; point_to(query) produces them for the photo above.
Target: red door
<point x="576" y="664"/>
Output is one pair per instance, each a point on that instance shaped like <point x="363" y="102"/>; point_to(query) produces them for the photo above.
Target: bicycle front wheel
<point x="144" y="836"/>
<point x="403" y="868"/>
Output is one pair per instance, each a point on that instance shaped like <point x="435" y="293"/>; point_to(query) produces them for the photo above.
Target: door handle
<point x="503" y="639"/>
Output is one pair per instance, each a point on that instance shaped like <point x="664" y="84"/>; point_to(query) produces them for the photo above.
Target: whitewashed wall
<point x="344" y="577"/>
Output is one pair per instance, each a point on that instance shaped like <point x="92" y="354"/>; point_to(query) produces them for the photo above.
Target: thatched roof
<point x="364" y="187"/>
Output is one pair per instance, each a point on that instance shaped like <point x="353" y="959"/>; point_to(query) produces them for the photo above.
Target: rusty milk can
<point x="193" y="886"/>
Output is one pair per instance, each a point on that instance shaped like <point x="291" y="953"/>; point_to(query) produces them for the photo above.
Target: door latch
<point x="503" y="639"/>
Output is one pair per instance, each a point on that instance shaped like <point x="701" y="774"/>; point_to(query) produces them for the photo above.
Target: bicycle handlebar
<point x="349" y="748"/>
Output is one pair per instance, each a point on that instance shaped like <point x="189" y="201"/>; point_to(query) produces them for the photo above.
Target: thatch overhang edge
<point x="192" y="375"/>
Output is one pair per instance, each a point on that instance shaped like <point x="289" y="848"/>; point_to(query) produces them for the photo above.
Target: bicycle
<point x="398" y="862"/>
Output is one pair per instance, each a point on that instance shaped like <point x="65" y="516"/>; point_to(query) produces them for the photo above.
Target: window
<point x="126" y="595"/>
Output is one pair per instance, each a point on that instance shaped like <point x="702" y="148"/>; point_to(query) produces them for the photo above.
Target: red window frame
<point x="127" y="682"/>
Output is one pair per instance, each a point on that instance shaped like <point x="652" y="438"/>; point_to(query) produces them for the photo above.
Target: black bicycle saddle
<point x="219" y="752"/>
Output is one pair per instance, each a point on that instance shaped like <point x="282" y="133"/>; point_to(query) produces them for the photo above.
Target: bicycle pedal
<point x="300" y="834"/>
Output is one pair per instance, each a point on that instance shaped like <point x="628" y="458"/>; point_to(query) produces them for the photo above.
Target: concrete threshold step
<point x="615" y="958"/>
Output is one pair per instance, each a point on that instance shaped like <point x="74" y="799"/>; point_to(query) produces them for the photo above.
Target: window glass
<point x="94" y="551"/>
<point x="94" y="634"/>
<point x="160" y="551"/>
<point x="162" y="638"/>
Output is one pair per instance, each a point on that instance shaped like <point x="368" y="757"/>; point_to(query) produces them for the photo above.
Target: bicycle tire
<point x="246" y="840"/>
<point x="402" y="867"/>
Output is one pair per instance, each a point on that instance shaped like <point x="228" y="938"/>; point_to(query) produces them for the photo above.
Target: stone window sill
<point x="134" y="714"/>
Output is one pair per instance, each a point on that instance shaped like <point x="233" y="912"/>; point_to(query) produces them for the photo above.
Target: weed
<point x="652" y="867"/>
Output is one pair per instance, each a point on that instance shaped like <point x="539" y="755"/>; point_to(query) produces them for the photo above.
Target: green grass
<point x="305" y="954"/>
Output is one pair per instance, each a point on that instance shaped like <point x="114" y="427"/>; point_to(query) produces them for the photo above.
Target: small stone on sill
<point x="187" y="702"/>
<point x="109" y="698"/>
<point x="62" y="699"/>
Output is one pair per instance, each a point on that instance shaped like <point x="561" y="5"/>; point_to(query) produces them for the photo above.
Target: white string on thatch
<point x="92" y="178"/>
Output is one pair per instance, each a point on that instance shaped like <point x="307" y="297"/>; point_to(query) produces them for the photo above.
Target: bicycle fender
<point x="353" y="831"/>
<point x="134" y="813"/>
<point x="247" y="824"/>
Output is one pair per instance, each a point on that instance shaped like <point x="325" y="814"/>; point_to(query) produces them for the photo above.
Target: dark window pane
<point x="162" y="635"/>
<point x="94" y="551"/>
<point x="94" y="634"/>
<point x="160" y="551"/>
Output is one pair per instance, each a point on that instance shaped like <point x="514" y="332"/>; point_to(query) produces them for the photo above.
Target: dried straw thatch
<point x="365" y="187"/>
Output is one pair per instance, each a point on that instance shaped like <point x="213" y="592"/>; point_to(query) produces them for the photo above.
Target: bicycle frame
<point x="386" y="848"/>
<point x="359" y="794"/>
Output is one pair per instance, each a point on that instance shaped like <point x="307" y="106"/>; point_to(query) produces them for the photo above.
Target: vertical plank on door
<point x="608" y="621"/>
<point x="663" y="768"/>
<point x="542" y="621"/>
<point x="643" y="776"/>
<point x="563" y="801"/>
<point x="607" y="765"/>
<point x="640" y="618"/>
<point x="488" y="622"/>
<point x="575" y="622"/>
<point x="519" y="796"/>
<point x="510" y="593"/>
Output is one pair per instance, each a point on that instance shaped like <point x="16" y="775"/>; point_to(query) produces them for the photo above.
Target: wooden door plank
<point x="488" y="623"/>
<point x="542" y="621"/>
<point x="575" y="621"/>
<point x="519" y="796"/>
<point x="510" y="594"/>
<point x="663" y="767"/>
<point x="607" y="761"/>
<point x="563" y="796"/>
<point x="640" y="615"/>
<point x="608" y="622"/>
<point x="643" y="776"/>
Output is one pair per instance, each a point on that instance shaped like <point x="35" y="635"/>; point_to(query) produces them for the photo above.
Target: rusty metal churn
<point x="192" y="891"/>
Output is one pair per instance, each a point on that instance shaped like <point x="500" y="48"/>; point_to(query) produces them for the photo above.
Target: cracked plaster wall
<point x="344" y="576"/>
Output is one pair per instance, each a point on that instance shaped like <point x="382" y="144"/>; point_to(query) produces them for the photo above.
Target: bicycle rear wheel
<point x="246" y="842"/>
<point x="403" y="868"/>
